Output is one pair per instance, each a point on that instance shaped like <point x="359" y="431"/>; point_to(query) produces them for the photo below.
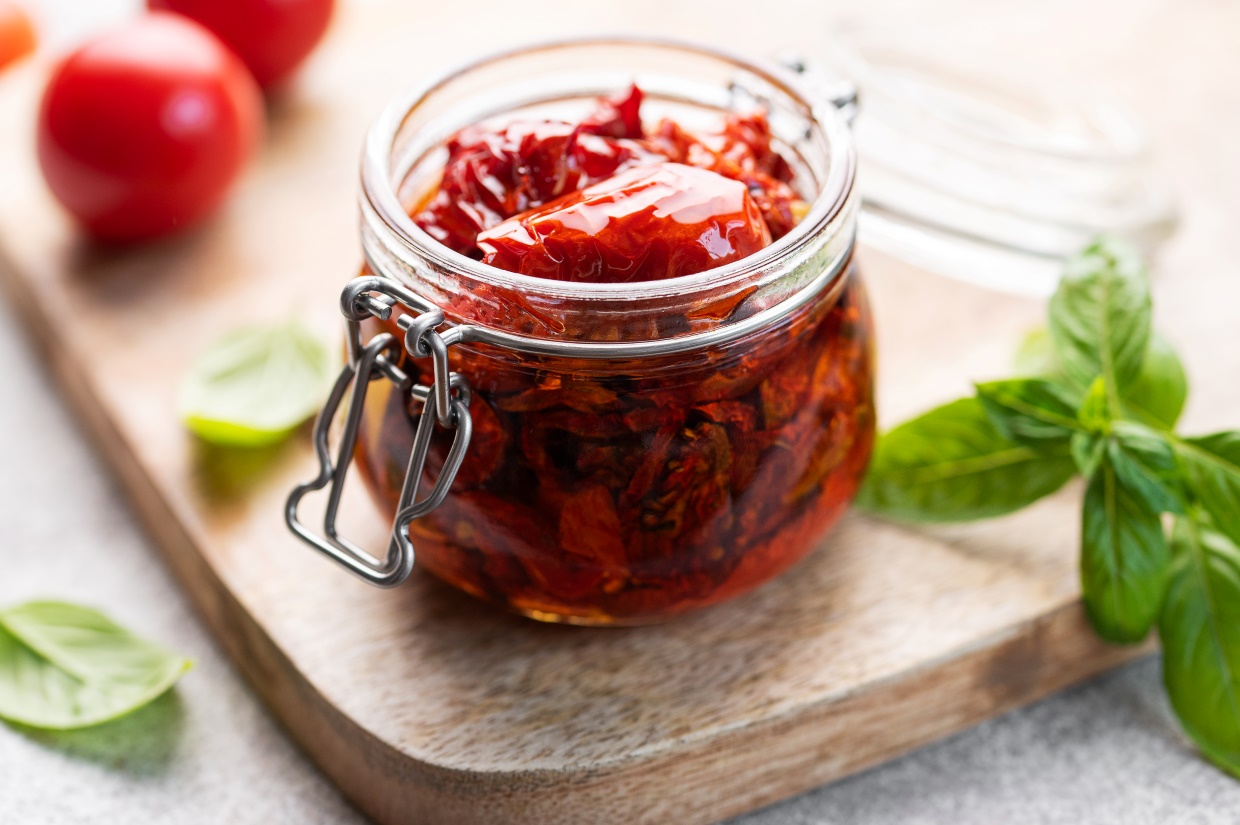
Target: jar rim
<point x="379" y="194"/>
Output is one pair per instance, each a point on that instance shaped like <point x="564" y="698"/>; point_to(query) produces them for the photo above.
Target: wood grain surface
<point x="425" y="706"/>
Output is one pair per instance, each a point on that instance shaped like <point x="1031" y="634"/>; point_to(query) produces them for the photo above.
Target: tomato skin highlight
<point x="143" y="129"/>
<point x="272" y="37"/>
<point x="17" y="35"/>
<point x="648" y="223"/>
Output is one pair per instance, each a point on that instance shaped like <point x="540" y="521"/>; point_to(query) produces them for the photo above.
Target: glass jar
<point x="634" y="450"/>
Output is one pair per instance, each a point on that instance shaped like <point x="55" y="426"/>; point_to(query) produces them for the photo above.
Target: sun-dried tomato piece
<point x="783" y="391"/>
<point x="494" y="173"/>
<point x="828" y="446"/>
<point x="583" y="424"/>
<point x="580" y="395"/>
<point x="609" y="463"/>
<point x="729" y="379"/>
<point x="742" y="151"/>
<point x="729" y="413"/>
<point x="649" y="223"/>
<point x="519" y="532"/>
<point x="642" y="419"/>
<point x="590" y="527"/>
<point x="748" y="443"/>
<point x="486" y="446"/>
<point x="618" y="116"/>
<point x="714" y="481"/>
<point x="535" y="449"/>
<point x="747" y="136"/>
<point x="689" y="487"/>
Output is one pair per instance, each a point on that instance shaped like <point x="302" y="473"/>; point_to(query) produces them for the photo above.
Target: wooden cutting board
<point x="426" y="706"/>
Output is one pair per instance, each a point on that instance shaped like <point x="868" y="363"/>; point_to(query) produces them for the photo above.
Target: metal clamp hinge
<point x="445" y="402"/>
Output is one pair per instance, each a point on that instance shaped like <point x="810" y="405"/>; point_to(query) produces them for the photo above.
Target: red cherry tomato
<point x="272" y="37"/>
<point x="16" y="33"/>
<point x="143" y="129"/>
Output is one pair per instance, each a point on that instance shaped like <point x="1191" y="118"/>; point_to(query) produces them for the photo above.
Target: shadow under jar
<point x="638" y="449"/>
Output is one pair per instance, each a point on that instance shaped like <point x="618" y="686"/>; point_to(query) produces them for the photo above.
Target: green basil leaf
<point x="1124" y="558"/>
<point x="952" y="464"/>
<point x="1146" y="463"/>
<point x="1031" y="411"/>
<point x="255" y="386"/>
<point x="1157" y="396"/>
<point x="1200" y="633"/>
<point x="1100" y="317"/>
<point x="1087" y="451"/>
<point x="1095" y="412"/>
<point x="1212" y="468"/>
<point x="63" y="666"/>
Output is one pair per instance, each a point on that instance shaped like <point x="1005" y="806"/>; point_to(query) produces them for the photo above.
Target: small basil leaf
<point x="1087" y="451"/>
<point x="64" y="666"/>
<point x="1146" y="463"/>
<point x="1124" y="558"/>
<point x="255" y="386"/>
<point x="1212" y="469"/>
<point x="1030" y="411"/>
<point x="1156" y="398"/>
<point x="952" y="464"/>
<point x="1158" y="395"/>
<point x="1095" y="412"/>
<point x="1200" y="633"/>
<point x="1100" y="316"/>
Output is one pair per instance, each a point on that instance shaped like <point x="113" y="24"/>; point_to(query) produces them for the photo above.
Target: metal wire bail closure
<point x="444" y="402"/>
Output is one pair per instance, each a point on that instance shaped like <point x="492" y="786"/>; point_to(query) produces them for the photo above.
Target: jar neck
<point x="404" y="151"/>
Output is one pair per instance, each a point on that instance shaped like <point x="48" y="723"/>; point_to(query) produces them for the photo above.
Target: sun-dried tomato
<point x="628" y="490"/>
<point x="714" y="484"/>
<point x="646" y="224"/>
<point x="618" y="116"/>
<point x="486" y="447"/>
<point x="496" y="172"/>
<point x="590" y="527"/>
<point x="741" y="151"/>
<point x="492" y="174"/>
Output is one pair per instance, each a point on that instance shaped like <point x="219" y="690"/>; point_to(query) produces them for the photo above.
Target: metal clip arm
<point x="377" y="360"/>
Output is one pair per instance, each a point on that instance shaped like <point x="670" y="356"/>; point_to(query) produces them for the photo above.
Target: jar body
<point x="638" y="449"/>
<point x="626" y="491"/>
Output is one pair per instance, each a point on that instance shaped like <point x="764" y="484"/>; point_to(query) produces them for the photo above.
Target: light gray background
<point x="1106" y="752"/>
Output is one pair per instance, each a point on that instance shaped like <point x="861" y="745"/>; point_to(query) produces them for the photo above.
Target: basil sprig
<point x="1100" y="399"/>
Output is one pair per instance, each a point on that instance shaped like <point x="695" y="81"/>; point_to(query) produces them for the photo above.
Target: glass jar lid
<point x="989" y="173"/>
